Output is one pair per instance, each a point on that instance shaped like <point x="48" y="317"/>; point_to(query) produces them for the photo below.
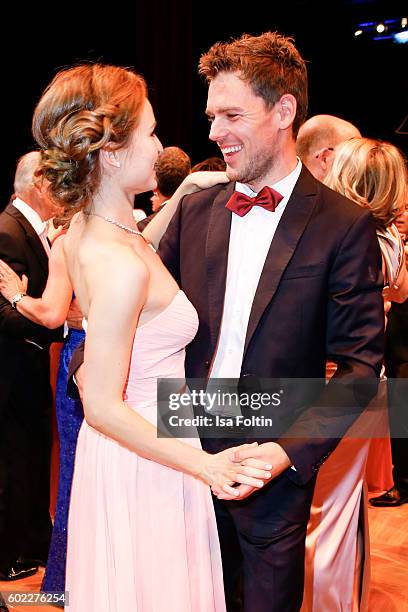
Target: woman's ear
<point x="111" y="158"/>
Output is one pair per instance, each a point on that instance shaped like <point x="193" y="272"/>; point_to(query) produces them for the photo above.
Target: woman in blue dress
<point x="69" y="419"/>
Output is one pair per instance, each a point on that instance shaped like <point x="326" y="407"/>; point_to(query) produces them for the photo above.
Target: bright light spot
<point x="380" y="28"/>
<point x="404" y="22"/>
<point x="358" y="32"/>
<point x="401" y="37"/>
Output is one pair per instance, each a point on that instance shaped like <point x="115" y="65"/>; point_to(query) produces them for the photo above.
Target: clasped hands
<point x="237" y="472"/>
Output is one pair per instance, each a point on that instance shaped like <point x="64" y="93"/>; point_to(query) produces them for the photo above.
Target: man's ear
<point x="41" y="185"/>
<point x="323" y="158"/>
<point x="109" y="157"/>
<point x="287" y="110"/>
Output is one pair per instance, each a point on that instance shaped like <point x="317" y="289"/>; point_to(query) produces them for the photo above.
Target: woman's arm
<point x="192" y="183"/>
<point x="50" y="310"/>
<point x="110" y="333"/>
<point x="398" y="292"/>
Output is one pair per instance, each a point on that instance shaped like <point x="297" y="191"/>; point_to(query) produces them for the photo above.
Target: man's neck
<point x="282" y="168"/>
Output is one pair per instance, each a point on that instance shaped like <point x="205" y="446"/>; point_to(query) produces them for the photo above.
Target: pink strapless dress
<point x="142" y="537"/>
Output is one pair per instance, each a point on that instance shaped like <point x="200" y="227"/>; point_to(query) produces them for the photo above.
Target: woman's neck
<point x="112" y="203"/>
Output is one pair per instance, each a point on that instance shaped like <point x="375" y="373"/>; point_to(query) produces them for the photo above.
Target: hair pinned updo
<point x="82" y="110"/>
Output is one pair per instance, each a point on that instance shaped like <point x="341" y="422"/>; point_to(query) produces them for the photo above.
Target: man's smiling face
<point x="244" y="129"/>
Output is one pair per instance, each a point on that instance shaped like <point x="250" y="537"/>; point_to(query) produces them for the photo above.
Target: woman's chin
<point x="146" y="188"/>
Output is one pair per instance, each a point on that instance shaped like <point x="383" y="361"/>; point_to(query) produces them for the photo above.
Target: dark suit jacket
<point x="396" y="354"/>
<point x="318" y="297"/>
<point x="21" y="248"/>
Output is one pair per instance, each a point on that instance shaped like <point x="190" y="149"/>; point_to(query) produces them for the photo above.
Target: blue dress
<point x="69" y="418"/>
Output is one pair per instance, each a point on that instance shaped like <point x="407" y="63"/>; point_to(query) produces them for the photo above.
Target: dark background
<point x="362" y="81"/>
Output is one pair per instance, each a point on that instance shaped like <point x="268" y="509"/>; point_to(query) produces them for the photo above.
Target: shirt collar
<point x="31" y="215"/>
<point x="284" y="186"/>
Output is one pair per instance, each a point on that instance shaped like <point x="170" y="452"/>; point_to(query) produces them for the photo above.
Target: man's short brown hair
<point x="269" y="63"/>
<point x="172" y="167"/>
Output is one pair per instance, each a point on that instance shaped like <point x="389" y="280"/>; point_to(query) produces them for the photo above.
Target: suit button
<point x="207" y="364"/>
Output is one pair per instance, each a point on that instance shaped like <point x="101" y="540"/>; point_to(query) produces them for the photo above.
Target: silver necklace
<point x="130" y="230"/>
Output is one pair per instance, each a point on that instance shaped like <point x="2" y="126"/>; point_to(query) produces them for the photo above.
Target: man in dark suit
<point x="281" y="283"/>
<point x="25" y="398"/>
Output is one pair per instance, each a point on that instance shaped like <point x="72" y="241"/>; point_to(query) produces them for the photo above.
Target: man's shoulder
<point x="338" y="205"/>
<point x="207" y="196"/>
<point x="9" y="221"/>
<point x="10" y="215"/>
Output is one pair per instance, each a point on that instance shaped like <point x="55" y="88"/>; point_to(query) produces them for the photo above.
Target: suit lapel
<point x="32" y="237"/>
<point x="291" y="227"/>
<point x="216" y="250"/>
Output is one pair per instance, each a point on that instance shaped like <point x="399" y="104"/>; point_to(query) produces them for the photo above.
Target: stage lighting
<point x="385" y="30"/>
<point x="401" y="37"/>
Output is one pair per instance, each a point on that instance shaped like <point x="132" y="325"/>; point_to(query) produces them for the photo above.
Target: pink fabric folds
<point x="142" y="537"/>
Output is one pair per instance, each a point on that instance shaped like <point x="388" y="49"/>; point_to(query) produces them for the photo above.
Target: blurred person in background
<point x="396" y="362"/>
<point x="317" y="139"/>
<point x="372" y="173"/>
<point x="172" y="167"/>
<point x="211" y="164"/>
<point x="26" y="398"/>
<point x="56" y="305"/>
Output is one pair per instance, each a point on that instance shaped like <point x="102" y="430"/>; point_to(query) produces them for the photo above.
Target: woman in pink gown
<point x="141" y="534"/>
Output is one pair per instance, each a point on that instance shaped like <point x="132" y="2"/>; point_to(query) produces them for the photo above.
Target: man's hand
<point x="243" y="492"/>
<point x="269" y="453"/>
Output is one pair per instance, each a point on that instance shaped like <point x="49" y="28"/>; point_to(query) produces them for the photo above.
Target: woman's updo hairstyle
<point x="373" y="174"/>
<point x="82" y="110"/>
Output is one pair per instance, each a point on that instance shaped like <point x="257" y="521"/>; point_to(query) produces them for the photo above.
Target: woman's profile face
<point x="402" y="223"/>
<point x="138" y="159"/>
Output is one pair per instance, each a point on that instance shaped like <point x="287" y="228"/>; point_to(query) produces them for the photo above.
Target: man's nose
<point x="217" y="130"/>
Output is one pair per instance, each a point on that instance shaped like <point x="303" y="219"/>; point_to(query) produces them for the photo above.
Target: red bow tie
<point x="241" y="204"/>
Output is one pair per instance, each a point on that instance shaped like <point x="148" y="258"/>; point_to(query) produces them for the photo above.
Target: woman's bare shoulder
<point x="114" y="262"/>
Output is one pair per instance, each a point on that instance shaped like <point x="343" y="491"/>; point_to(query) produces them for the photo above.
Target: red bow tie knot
<point x="241" y="204"/>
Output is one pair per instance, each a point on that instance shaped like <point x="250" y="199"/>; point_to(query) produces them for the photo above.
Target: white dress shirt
<point x="250" y="239"/>
<point x="40" y="227"/>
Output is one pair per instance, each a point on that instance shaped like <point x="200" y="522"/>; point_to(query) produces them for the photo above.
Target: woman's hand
<point x="196" y="181"/>
<point x="268" y="453"/>
<point x="10" y="282"/>
<point x="221" y="472"/>
<point x="192" y="183"/>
